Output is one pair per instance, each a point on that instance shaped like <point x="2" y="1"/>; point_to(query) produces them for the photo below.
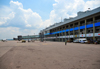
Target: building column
<point x="69" y="31"/>
<point x="73" y="31"/>
<point x="62" y="33"/>
<point x="85" y="29"/>
<point x="59" y="34"/>
<point x="65" y="32"/>
<point x="93" y="28"/>
<point x="56" y="34"/>
<point x="79" y="29"/>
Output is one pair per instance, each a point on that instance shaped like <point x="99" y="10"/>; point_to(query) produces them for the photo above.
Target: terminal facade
<point x="84" y="25"/>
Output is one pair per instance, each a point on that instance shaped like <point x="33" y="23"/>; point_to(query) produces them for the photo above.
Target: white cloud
<point x="64" y="9"/>
<point x="16" y="20"/>
<point x="12" y="32"/>
<point x="9" y="32"/>
<point x="15" y="4"/>
<point x="4" y="14"/>
<point x="19" y="17"/>
<point x="69" y="8"/>
<point x="28" y="25"/>
<point x="91" y="4"/>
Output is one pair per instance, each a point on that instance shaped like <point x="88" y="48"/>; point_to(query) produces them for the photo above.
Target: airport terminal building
<point x="84" y="25"/>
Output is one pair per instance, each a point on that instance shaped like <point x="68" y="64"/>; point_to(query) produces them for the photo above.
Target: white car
<point x="4" y="40"/>
<point x="81" y="40"/>
<point x="76" y="41"/>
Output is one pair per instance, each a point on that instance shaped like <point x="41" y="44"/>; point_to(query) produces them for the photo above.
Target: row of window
<point x="76" y="25"/>
<point x="77" y="28"/>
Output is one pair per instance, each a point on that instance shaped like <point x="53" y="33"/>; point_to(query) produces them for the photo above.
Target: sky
<point x="28" y="17"/>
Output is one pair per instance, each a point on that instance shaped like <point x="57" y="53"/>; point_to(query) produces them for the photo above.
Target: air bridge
<point x="20" y="37"/>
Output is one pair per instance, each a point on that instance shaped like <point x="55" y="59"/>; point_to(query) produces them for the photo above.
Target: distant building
<point x="15" y="38"/>
<point x="20" y="37"/>
<point x="41" y="36"/>
<point x="30" y="36"/>
<point x="84" y="25"/>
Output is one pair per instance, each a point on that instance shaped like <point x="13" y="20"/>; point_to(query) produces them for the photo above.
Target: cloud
<point x="19" y="17"/>
<point x="65" y="9"/>
<point x="16" y="4"/>
<point x="12" y="32"/>
<point x="69" y="8"/>
<point x="9" y="32"/>
<point x="91" y="4"/>
<point x="17" y="20"/>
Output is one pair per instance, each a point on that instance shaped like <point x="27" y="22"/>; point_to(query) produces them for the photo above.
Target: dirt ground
<point x="48" y="55"/>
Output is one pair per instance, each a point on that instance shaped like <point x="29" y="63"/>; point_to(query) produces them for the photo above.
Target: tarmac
<point x="48" y="55"/>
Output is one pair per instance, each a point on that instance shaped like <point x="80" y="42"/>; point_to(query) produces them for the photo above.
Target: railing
<point x="76" y="33"/>
<point x="89" y="22"/>
<point x="97" y="20"/>
<point x="71" y="26"/>
<point x="71" y="33"/>
<point x="82" y="24"/>
<point x="76" y="26"/>
<point x="97" y="31"/>
<point x="90" y="32"/>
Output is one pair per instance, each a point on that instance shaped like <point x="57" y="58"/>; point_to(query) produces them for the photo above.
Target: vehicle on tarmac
<point x="83" y="40"/>
<point x="4" y="40"/>
<point x="23" y="41"/>
<point x="76" y="41"/>
<point x="80" y="40"/>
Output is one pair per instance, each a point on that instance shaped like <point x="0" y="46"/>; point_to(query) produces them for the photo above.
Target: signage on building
<point x="75" y="35"/>
<point x="64" y="36"/>
<point x="89" y="35"/>
<point x="97" y="34"/>
<point x="82" y="35"/>
<point x="60" y="36"/>
<point x="71" y="36"/>
<point x="67" y="36"/>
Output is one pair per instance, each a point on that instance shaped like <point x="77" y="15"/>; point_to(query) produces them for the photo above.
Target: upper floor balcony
<point x="76" y="32"/>
<point x="97" y="30"/>
<point x="89" y="30"/>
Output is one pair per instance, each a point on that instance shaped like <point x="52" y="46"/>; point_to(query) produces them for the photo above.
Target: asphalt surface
<point x="48" y="55"/>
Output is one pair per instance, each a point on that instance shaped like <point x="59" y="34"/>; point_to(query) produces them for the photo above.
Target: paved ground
<point x="49" y="55"/>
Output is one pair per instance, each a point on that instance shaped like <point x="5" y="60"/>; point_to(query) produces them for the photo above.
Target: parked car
<point x="80" y="40"/>
<point x="23" y="41"/>
<point x="76" y="41"/>
<point x="84" y="40"/>
<point x="4" y="40"/>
